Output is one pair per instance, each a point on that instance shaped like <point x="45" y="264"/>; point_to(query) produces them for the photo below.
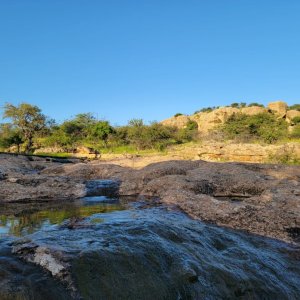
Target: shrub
<point x="295" y="107"/>
<point x="262" y="126"/>
<point x="296" y="120"/>
<point x="205" y="109"/>
<point x="285" y="155"/>
<point x="178" y="114"/>
<point x="255" y="104"/>
<point x="295" y="132"/>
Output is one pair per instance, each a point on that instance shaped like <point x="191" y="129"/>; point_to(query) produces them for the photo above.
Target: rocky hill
<point x="209" y="120"/>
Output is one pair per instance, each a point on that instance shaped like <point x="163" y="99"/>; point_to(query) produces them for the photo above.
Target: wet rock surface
<point x="20" y="180"/>
<point x="149" y="252"/>
<point x="108" y="247"/>
<point x="262" y="199"/>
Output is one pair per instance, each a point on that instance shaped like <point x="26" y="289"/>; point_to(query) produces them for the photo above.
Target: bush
<point x="295" y="132"/>
<point x="285" y="155"/>
<point x="296" y="120"/>
<point x="295" y="107"/>
<point x="154" y="136"/>
<point x="255" y="104"/>
<point x="178" y="114"/>
<point x="206" y="109"/>
<point x="262" y="126"/>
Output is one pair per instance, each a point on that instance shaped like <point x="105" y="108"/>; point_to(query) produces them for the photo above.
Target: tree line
<point x="27" y="129"/>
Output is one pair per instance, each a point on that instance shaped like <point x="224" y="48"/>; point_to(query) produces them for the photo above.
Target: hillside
<point x="207" y="120"/>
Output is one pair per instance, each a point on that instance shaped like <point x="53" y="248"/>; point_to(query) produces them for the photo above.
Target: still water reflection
<point x="20" y="220"/>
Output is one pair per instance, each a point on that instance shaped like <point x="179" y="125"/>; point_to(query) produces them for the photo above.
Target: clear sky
<point x="150" y="59"/>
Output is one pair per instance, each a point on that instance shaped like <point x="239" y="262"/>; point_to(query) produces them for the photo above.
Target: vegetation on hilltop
<point x="263" y="127"/>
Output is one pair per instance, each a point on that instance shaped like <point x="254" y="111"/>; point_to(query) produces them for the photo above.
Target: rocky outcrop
<point x="22" y="181"/>
<point x="262" y="199"/>
<point x="40" y="188"/>
<point x="246" y="152"/>
<point x="291" y="114"/>
<point x="156" y="253"/>
<point x="278" y="107"/>
<point x="179" y="121"/>
<point x="253" y="110"/>
<point x="209" y="120"/>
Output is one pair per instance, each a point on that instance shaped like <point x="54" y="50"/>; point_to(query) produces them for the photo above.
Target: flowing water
<point x="117" y="248"/>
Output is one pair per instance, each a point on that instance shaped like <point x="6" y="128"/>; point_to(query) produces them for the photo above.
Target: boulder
<point x="179" y="121"/>
<point x="291" y="114"/>
<point x="253" y="110"/>
<point x="85" y="150"/>
<point x="278" y="107"/>
<point x="209" y="120"/>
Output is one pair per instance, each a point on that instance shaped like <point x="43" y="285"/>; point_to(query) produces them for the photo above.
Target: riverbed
<point x="104" y="247"/>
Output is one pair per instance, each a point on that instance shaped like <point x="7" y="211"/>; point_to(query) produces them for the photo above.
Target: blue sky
<point x="147" y="59"/>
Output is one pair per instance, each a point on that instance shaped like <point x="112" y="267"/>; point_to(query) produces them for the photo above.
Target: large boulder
<point x="179" y="121"/>
<point x="291" y="114"/>
<point x="253" y="110"/>
<point x="278" y="107"/>
<point x="209" y="120"/>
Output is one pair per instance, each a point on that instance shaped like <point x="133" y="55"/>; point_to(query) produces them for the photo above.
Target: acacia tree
<point x="28" y="119"/>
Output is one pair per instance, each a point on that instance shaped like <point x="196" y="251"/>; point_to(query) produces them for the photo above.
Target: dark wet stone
<point x="108" y="188"/>
<point x="157" y="254"/>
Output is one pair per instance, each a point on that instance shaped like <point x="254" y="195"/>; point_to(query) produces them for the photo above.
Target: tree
<point x="10" y="136"/>
<point x="28" y="119"/>
<point x="235" y="104"/>
<point x="100" y="130"/>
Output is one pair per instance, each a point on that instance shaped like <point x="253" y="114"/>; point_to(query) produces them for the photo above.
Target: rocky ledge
<point x="262" y="199"/>
<point x="154" y="253"/>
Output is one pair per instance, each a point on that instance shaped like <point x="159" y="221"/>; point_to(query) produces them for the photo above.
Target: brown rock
<point x="209" y="120"/>
<point x="179" y="121"/>
<point x="278" y="107"/>
<point x="290" y="114"/>
<point x="253" y="110"/>
<point x="262" y="199"/>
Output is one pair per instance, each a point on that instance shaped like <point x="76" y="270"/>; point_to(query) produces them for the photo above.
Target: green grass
<point x="127" y="150"/>
<point x="56" y="155"/>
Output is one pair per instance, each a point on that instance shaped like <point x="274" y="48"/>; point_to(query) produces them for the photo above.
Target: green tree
<point x="10" y="136"/>
<point x="28" y="119"/>
<point x="100" y="131"/>
<point x="235" y="104"/>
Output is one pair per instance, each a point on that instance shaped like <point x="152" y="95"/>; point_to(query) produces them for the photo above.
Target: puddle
<point x="31" y="219"/>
